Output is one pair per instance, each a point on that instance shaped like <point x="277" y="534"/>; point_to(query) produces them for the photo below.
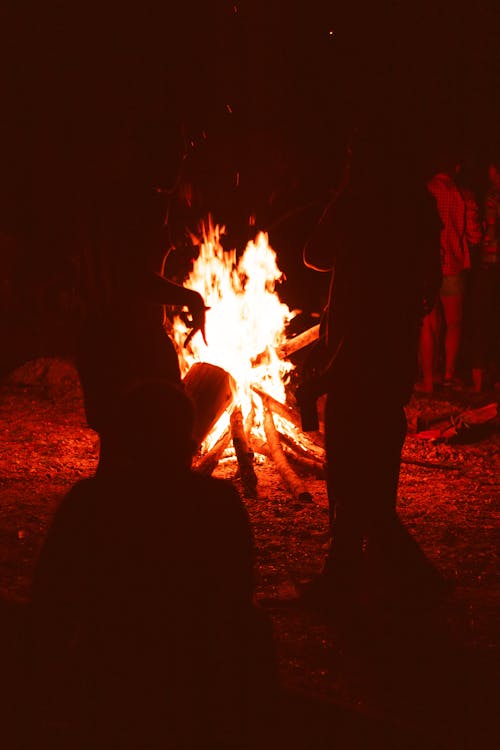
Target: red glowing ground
<point x="46" y="447"/>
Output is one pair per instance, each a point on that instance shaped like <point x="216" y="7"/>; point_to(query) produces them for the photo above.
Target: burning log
<point x="213" y="456"/>
<point x="243" y="453"/>
<point x="295" y="484"/>
<point x="308" y="447"/>
<point x="278" y="408"/>
<point x="431" y="464"/>
<point x="298" y="342"/>
<point x="309" y="465"/>
<point x="282" y="410"/>
<point x="314" y="462"/>
<point x="212" y="390"/>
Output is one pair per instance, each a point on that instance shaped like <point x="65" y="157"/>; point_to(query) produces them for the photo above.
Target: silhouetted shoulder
<point x="221" y="492"/>
<point x="222" y="519"/>
<point x="66" y="540"/>
<point x="219" y="500"/>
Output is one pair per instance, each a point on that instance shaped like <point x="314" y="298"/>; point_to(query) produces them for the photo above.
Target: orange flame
<point x="246" y="321"/>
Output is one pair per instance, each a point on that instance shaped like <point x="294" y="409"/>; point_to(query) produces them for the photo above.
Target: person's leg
<point x="452" y="301"/>
<point x="479" y="325"/>
<point x="391" y="426"/>
<point x="346" y="487"/>
<point x="371" y="553"/>
<point x="397" y="564"/>
<point x="428" y="346"/>
<point x="362" y="484"/>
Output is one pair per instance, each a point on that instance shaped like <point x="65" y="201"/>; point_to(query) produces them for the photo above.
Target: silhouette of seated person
<point x="125" y="341"/>
<point x="122" y="338"/>
<point x="146" y="634"/>
<point x="126" y="203"/>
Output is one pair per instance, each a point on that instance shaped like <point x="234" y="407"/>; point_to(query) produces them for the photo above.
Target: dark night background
<point x="263" y="95"/>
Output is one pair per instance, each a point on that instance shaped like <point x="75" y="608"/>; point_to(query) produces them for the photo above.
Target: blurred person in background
<point x="458" y="212"/>
<point x="485" y="298"/>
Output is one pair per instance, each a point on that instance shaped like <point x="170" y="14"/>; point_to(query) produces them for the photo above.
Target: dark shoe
<point x="328" y="594"/>
<point x="416" y="595"/>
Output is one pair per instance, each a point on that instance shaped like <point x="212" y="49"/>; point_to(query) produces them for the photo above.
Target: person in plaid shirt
<point x="492" y="217"/>
<point x="461" y="230"/>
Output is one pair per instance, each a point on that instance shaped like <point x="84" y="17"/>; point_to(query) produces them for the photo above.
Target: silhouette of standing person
<point x="146" y="634"/>
<point x="379" y="239"/>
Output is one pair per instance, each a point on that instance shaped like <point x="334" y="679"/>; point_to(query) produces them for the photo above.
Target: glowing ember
<point x="245" y="323"/>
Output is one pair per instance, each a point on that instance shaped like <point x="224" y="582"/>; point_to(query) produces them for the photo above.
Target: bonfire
<point x="238" y="378"/>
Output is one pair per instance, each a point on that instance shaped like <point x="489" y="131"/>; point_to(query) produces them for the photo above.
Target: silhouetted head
<point x="447" y="160"/>
<point x="152" y="428"/>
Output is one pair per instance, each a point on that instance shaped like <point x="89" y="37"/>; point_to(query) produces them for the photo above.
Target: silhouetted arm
<point x="331" y="235"/>
<point x="163" y="291"/>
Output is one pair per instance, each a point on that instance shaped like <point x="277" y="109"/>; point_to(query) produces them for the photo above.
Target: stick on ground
<point x="212" y="457"/>
<point x="293" y="481"/>
<point x="243" y="453"/>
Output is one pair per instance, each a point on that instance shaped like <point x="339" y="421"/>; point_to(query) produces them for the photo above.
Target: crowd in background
<point x="460" y="335"/>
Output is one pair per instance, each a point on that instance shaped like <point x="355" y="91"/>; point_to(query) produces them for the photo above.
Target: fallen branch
<point x="212" y="457"/>
<point x="277" y="407"/>
<point x="298" y="342"/>
<point x="243" y="453"/>
<point x="295" y="484"/>
<point x="430" y="464"/>
<point x="453" y="426"/>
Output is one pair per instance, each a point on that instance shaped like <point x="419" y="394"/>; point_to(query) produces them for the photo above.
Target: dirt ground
<point x="426" y="677"/>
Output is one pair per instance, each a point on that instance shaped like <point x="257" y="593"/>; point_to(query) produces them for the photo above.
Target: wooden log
<point x="298" y="342"/>
<point x="260" y="446"/>
<point x="209" y="461"/>
<point x="243" y="453"/>
<point x="293" y="481"/>
<point x="283" y="410"/>
<point x="292" y="416"/>
<point x="314" y="460"/>
<point x="309" y="465"/>
<point x="212" y="390"/>
<point x="306" y="445"/>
